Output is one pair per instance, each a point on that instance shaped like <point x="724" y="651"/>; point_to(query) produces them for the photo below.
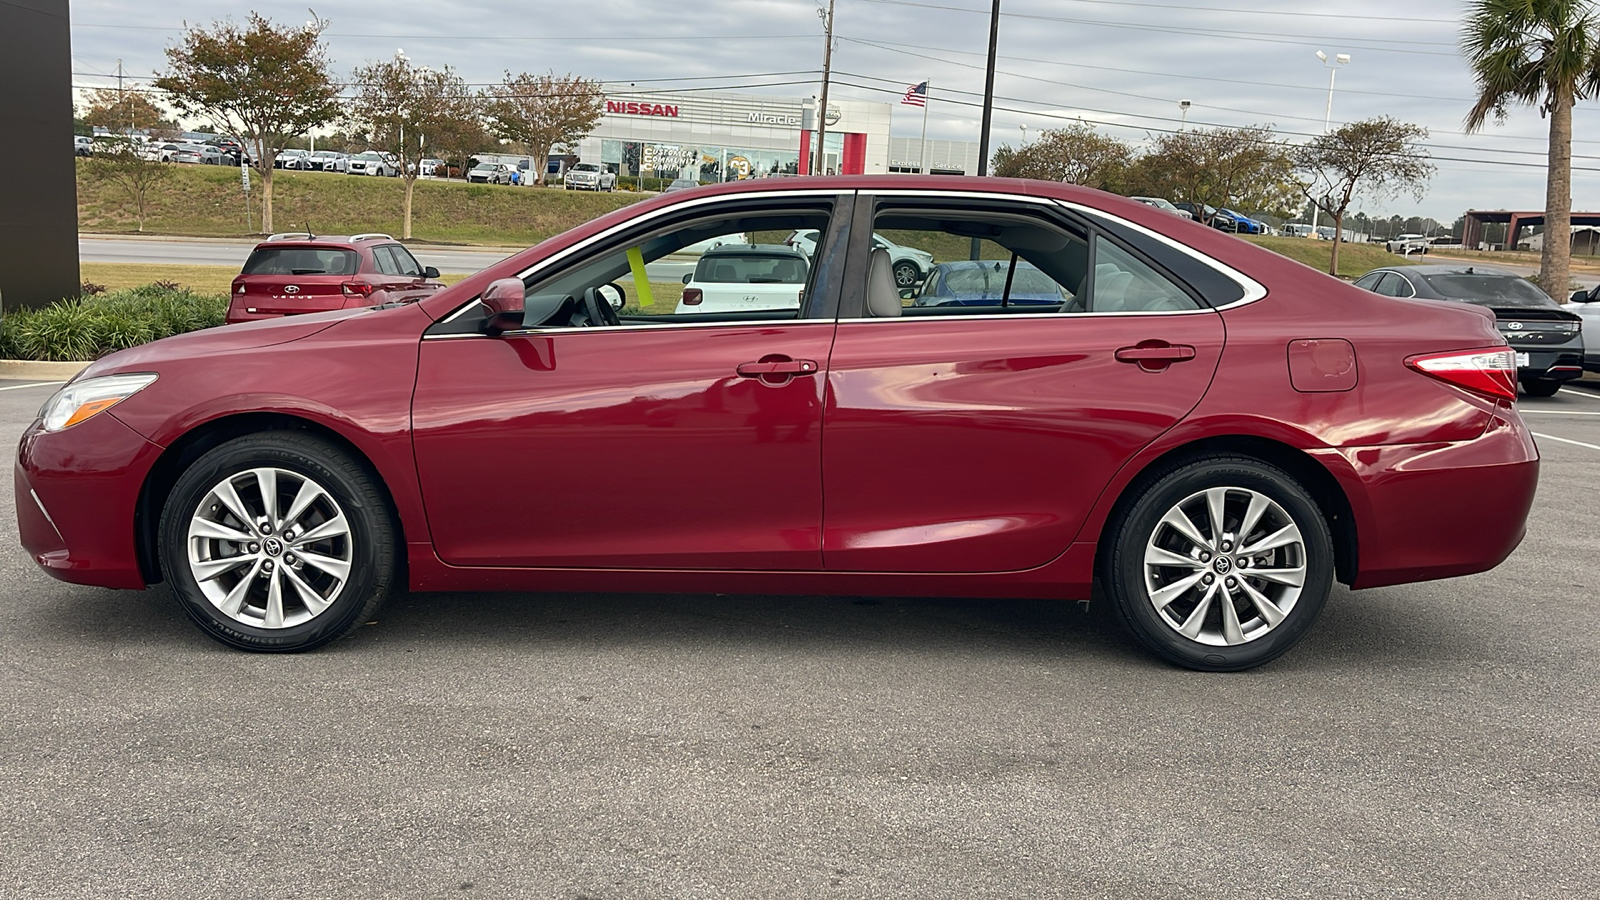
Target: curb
<point x="35" y="370"/>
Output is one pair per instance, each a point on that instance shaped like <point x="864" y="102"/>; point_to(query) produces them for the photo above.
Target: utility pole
<point x="122" y="101"/>
<point x="827" y="69"/>
<point x="988" y="104"/>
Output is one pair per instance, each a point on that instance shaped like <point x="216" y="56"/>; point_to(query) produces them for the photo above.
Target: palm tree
<point x="1544" y="53"/>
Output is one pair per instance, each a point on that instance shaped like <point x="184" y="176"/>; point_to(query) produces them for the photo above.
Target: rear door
<point x="977" y="438"/>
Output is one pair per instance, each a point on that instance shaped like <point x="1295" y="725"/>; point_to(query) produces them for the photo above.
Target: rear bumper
<point x="77" y="495"/>
<point x="1558" y="364"/>
<point x="1443" y="509"/>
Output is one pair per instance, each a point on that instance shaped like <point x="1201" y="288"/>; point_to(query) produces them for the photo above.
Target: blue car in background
<point x="982" y="282"/>
<point x="1242" y="224"/>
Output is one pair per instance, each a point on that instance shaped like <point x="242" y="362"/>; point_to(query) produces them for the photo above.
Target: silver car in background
<point x="589" y="177"/>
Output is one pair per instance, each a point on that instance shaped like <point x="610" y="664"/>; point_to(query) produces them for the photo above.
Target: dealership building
<point x="725" y="136"/>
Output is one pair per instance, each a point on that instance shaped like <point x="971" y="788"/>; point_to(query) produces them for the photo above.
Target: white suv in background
<point x="589" y="177"/>
<point x="745" y="277"/>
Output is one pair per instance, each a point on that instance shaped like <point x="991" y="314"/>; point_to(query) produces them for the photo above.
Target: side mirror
<point x="688" y="278"/>
<point x="504" y="300"/>
<point x="430" y="272"/>
<point x="1581" y="297"/>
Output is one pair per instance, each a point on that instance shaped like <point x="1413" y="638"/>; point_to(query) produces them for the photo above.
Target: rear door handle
<point x="1154" y="352"/>
<point x="777" y="367"/>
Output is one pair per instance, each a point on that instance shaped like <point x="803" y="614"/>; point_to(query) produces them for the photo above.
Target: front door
<point x="664" y="439"/>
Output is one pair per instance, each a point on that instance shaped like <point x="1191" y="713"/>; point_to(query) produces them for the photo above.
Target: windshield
<point x="483" y="167"/>
<point x="1487" y="289"/>
<point x="751" y="268"/>
<point x="301" y="261"/>
<point x="585" y="167"/>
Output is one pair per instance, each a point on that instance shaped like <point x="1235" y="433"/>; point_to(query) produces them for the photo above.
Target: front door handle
<point x="783" y="366"/>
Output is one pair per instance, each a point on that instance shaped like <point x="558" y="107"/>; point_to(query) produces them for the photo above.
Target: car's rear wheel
<point x="1541" y="387"/>
<point x="1221" y="564"/>
<point x="278" y="542"/>
<point x="906" y="274"/>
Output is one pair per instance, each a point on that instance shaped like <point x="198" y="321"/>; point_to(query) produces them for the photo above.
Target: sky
<point x="1122" y="67"/>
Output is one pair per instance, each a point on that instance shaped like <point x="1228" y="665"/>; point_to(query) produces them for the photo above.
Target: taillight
<point x="238" y="286"/>
<point x="692" y="296"/>
<point x="358" y="289"/>
<point x="1491" y="371"/>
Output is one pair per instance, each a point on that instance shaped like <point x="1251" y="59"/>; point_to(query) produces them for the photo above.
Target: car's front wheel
<point x="1221" y="564"/>
<point x="906" y="274"/>
<point x="278" y="542"/>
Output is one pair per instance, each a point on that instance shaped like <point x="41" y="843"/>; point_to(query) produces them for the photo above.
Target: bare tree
<point x="264" y="83"/>
<point x="1218" y="167"/>
<point x="544" y="111"/>
<point x="119" y="162"/>
<point x="1077" y="154"/>
<point x="401" y="108"/>
<point x="1375" y="158"/>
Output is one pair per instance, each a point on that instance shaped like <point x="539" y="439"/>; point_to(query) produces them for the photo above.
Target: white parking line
<point x="1551" y="437"/>
<point x="18" y="387"/>
<point x="1555" y="412"/>
<point x="1577" y="393"/>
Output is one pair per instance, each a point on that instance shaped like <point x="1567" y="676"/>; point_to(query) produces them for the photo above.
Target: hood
<point x="222" y="339"/>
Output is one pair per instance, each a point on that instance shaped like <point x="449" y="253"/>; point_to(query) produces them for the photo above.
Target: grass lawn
<point x="1355" y="260"/>
<point x="207" y="201"/>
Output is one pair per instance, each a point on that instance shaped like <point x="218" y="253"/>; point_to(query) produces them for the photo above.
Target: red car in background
<point x="296" y="273"/>
<point x="1215" y="432"/>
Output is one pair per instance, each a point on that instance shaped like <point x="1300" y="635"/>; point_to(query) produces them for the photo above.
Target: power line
<point x="481" y="37"/>
<point x="1187" y="8"/>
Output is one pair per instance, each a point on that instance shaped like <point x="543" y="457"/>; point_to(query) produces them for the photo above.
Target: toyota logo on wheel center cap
<point x="273" y="546"/>
<point x="1222" y="565"/>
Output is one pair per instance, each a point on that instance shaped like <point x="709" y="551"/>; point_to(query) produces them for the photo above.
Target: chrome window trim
<point x="613" y="329"/>
<point x="562" y="254"/>
<point x="1253" y="290"/>
<point x="1028" y="316"/>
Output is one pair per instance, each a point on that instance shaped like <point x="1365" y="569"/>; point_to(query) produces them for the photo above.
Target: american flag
<point x="916" y="95"/>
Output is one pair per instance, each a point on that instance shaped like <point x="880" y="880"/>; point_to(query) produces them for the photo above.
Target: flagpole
<point x="922" y="145"/>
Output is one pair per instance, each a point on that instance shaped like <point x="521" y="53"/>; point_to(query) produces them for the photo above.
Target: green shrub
<point x="89" y="327"/>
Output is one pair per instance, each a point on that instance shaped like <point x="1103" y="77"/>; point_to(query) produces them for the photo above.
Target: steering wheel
<point x="600" y="310"/>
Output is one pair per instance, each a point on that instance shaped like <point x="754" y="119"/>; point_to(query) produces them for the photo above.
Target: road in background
<point x="1428" y="740"/>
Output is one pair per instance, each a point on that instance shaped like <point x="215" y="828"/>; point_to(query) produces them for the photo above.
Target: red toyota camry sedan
<point x="1214" y="432"/>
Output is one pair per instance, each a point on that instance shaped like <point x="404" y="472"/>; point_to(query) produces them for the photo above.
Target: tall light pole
<point x="1183" y="112"/>
<point x="1340" y="59"/>
<point x="1024" y="127"/>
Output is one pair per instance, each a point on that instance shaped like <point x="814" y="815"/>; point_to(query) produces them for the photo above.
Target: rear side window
<point x="750" y="268"/>
<point x="302" y="261"/>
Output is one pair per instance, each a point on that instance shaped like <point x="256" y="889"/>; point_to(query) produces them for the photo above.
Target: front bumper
<point x="77" y="498"/>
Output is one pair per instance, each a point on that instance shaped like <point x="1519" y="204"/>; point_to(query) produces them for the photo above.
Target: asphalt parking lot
<point x="1433" y="740"/>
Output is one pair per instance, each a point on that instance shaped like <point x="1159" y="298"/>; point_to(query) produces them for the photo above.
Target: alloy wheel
<point x="1225" y="566"/>
<point x="269" y="548"/>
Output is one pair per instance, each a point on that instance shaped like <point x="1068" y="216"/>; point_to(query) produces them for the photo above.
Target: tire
<point x="906" y="274"/>
<point x="1541" y="387"/>
<point x="355" y="536"/>
<point x="1154" y="549"/>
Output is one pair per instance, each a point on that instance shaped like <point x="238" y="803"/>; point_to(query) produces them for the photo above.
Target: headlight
<point x="83" y="400"/>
